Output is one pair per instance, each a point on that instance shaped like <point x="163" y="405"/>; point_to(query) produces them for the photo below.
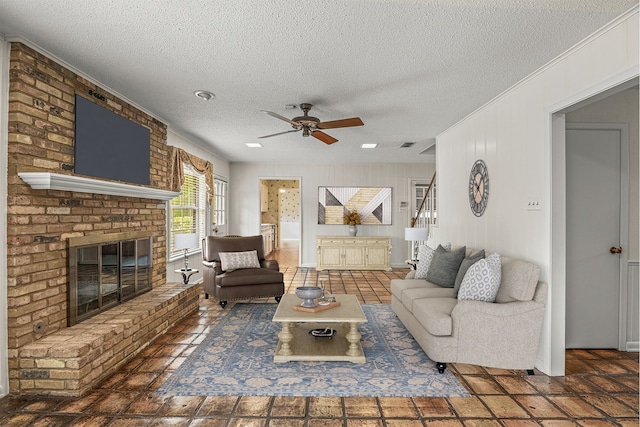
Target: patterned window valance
<point x="178" y="156"/>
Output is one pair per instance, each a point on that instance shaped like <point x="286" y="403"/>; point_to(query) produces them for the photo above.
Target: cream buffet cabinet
<point x="353" y="253"/>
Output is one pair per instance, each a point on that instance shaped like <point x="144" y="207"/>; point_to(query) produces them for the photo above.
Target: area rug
<point x="236" y="359"/>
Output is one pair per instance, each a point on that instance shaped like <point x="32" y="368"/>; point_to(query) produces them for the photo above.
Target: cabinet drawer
<point x="378" y="242"/>
<point x="352" y="242"/>
<point x="325" y="242"/>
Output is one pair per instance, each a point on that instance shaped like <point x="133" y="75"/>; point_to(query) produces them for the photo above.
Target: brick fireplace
<point x="41" y="222"/>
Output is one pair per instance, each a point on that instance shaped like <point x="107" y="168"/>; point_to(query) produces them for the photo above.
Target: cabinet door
<point x="330" y="256"/>
<point x="354" y="257"/>
<point x="377" y="257"/>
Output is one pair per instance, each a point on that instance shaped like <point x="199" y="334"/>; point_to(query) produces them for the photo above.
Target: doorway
<point x="614" y="101"/>
<point x="280" y="210"/>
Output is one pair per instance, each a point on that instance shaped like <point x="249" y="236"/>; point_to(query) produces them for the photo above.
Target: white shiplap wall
<point x="512" y="134"/>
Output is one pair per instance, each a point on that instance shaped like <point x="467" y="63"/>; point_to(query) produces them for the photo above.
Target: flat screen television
<point x="110" y="146"/>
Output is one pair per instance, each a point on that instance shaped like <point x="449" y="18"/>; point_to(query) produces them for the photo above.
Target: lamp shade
<point x="414" y="234"/>
<point x="185" y="241"/>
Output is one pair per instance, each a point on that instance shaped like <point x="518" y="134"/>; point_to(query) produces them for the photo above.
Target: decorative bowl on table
<point x="308" y="294"/>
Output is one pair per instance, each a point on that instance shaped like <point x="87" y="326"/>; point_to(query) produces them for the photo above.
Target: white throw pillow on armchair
<point x="236" y="260"/>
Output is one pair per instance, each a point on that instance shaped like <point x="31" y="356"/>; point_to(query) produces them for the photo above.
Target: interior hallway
<point x="600" y="389"/>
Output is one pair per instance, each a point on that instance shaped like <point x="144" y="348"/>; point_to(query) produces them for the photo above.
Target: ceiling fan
<point x="310" y="125"/>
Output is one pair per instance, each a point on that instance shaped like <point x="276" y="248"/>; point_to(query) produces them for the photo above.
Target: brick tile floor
<point x="600" y="388"/>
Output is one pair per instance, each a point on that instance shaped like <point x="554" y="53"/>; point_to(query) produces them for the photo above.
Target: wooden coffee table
<point x="297" y="344"/>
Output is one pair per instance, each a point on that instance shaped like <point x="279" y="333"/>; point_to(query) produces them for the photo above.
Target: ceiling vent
<point x="407" y="144"/>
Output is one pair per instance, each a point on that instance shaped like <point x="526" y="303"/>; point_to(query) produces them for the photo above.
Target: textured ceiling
<point x="408" y="68"/>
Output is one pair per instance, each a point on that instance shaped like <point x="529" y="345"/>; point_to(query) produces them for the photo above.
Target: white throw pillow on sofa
<point x="236" y="260"/>
<point x="425" y="256"/>
<point x="482" y="280"/>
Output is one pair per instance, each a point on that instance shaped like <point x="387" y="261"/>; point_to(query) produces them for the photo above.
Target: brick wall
<point x="41" y="135"/>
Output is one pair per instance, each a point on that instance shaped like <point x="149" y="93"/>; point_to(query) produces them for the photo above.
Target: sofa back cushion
<point x="519" y="280"/>
<point x="445" y="265"/>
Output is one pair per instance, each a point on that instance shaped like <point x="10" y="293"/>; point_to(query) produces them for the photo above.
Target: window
<point x="187" y="211"/>
<point x="219" y="202"/>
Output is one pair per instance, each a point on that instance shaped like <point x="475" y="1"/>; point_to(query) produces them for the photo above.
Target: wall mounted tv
<point x="110" y="146"/>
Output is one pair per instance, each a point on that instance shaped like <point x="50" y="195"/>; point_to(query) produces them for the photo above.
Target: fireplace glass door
<point x="106" y="274"/>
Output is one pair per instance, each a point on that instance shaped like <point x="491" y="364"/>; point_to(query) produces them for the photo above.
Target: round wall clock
<point x="478" y="188"/>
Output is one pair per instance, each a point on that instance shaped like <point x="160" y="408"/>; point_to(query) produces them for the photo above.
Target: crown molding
<point x="56" y="181"/>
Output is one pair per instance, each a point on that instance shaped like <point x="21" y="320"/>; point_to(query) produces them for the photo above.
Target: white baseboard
<point x="633" y="347"/>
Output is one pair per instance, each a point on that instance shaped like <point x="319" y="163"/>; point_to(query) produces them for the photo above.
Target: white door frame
<point x="554" y="359"/>
<point x="624" y="218"/>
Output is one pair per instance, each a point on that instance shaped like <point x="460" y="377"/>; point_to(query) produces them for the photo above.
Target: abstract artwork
<point x="372" y="203"/>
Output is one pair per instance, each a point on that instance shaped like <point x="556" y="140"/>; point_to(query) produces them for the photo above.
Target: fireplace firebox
<point x="106" y="271"/>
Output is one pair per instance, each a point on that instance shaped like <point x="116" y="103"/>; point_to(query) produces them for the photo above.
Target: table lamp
<point x="413" y="235"/>
<point x="186" y="242"/>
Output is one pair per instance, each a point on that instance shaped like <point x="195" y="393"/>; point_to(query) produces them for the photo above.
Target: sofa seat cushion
<point x="434" y="314"/>
<point x="398" y="286"/>
<point x="248" y="276"/>
<point x="429" y="291"/>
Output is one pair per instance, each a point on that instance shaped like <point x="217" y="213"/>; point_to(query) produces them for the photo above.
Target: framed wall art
<point x="372" y="203"/>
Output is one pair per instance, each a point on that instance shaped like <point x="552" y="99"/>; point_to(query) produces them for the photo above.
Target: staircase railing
<point x="422" y="204"/>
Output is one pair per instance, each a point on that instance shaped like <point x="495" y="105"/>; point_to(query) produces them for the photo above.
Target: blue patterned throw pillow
<point x="482" y="280"/>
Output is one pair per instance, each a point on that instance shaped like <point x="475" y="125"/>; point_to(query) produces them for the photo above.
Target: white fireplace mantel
<point x="57" y="181"/>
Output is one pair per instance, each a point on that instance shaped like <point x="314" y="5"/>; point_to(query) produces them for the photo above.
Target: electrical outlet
<point x="533" y="204"/>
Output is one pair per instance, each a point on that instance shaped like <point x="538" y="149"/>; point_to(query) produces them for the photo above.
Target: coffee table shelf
<point x="296" y="344"/>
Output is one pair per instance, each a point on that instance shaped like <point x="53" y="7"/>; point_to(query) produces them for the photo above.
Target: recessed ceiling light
<point x="369" y="145"/>
<point x="254" y="145"/>
<point x="204" y="95"/>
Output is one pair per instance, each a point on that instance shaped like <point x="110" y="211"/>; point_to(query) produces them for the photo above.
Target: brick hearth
<point x="72" y="361"/>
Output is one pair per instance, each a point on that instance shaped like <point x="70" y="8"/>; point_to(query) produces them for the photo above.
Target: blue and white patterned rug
<point x="236" y="359"/>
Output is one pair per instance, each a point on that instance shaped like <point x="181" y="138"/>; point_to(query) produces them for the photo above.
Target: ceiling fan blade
<point x="279" y="133"/>
<point x="278" y="116"/>
<point x="344" y="123"/>
<point x="327" y="139"/>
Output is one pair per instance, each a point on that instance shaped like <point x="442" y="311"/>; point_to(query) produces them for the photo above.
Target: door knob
<point x="615" y="250"/>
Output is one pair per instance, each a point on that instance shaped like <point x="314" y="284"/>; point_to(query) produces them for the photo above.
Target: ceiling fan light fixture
<point x="369" y="145"/>
<point x="205" y="95"/>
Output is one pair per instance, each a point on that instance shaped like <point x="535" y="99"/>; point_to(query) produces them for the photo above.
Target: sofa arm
<point x="500" y="335"/>
<point x="209" y="278"/>
<point x="271" y="264"/>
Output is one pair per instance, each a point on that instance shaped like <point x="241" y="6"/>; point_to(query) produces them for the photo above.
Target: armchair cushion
<point x="248" y="276"/>
<point x="236" y="260"/>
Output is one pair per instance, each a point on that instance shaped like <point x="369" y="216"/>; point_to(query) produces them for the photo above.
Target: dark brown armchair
<point x="266" y="281"/>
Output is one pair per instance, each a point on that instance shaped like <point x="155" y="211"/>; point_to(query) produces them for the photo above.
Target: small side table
<point x="186" y="274"/>
<point x="412" y="262"/>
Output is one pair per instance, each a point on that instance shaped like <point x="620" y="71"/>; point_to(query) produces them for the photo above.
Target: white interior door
<point x="593" y="227"/>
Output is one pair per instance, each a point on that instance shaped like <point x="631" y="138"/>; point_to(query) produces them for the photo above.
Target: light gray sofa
<point x="501" y="334"/>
